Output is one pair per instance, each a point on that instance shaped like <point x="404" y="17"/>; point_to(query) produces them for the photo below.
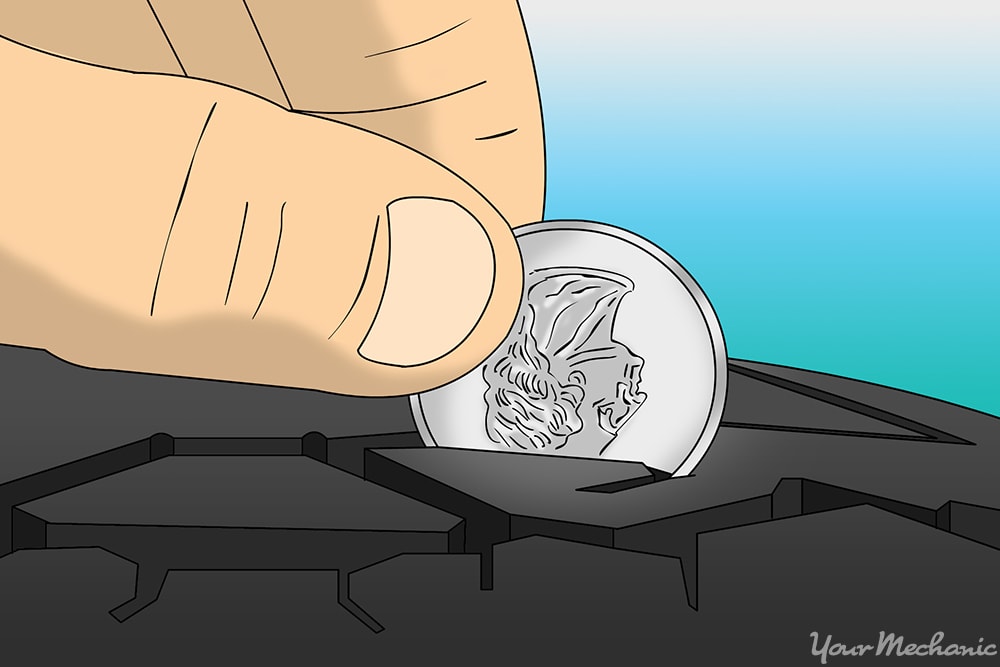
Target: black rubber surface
<point x="825" y="505"/>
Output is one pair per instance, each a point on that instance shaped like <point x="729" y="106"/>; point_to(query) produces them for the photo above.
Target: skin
<point x="452" y="79"/>
<point x="176" y="226"/>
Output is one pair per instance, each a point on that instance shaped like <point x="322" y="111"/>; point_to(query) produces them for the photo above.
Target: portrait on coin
<point x="561" y="382"/>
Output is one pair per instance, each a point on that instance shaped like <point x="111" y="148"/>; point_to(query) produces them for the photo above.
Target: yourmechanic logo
<point x="890" y="644"/>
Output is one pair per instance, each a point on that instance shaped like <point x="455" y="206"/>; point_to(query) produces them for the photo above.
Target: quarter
<point x="615" y="353"/>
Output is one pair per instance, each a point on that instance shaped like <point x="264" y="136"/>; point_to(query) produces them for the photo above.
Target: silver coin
<point x="616" y="353"/>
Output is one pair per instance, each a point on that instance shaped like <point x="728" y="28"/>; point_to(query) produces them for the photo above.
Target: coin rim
<point x="709" y="316"/>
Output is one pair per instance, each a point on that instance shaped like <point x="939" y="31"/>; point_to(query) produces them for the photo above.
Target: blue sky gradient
<point x="828" y="172"/>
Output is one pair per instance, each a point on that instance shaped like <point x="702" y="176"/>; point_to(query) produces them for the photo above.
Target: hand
<point x="173" y="226"/>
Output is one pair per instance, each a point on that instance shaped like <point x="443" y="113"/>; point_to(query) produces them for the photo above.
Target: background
<point x="829" y="172"/>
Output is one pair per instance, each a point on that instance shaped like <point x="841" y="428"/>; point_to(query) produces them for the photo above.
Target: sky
<point x="829" y="172"/>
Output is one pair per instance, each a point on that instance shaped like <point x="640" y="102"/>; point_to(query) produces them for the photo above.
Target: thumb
<point x="363" y="268"/>
<point x="298" y="252"/>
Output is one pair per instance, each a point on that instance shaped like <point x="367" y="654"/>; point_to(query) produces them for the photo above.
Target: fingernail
<point x="439" y="281"/>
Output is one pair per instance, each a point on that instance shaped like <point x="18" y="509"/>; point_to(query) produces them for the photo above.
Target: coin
<point x="615" y="353"/>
